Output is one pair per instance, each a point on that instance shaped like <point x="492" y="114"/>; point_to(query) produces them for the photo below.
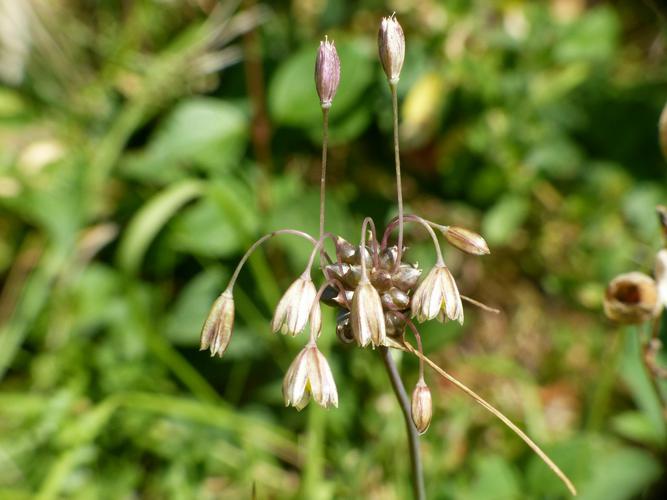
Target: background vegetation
<point x="144" y="144"/>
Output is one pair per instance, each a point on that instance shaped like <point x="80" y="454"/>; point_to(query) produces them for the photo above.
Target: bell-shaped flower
<point x="294" y="307"/>
<point x="310" y="375"/>
<point x="367" y="316"/>
<point x="217" y="330"/>
<point x="437" y="296"/>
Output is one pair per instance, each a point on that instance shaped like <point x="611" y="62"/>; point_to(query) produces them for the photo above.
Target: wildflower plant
<point x="379" y="295"/>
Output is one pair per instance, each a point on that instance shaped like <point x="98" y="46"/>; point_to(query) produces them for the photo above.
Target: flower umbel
<point x="217" y="331"/>
<point x="309" y="374"/>
<point x="375" y="291"/>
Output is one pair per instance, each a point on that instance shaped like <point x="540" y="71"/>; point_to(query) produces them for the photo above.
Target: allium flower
<point x="631" y="298"/>
<point x="437" y="296"/>
<point x="217" y="330"/>
<point x="367" y="315"/>
<point x="294" y="307"/>
<point x="327" y="73"/>
<point x="422" y="406"/>
<point x="391" y="47"/>
<point x="309" y="374"/>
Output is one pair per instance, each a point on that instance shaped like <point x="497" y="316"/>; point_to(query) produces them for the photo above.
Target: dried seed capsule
<point x="327" y="73"/>
<point x="346" y="251"/>
<point x="388" y="257"/>
<point x="381" y="279"/>
<point x="344" y="330"/>
<point x="391" y="47"/>
<point x="352" y="277"/>
<point x="406" y="277"/>
<point x="294" y="307"/>
<point x="336" y="270"/>
<point x="394" y="324"/>
<point x="217" y="330"/>
<point x="631" y="298"/>
<point x="400" y="299"/>
<point x="466" y="240"/>
<point x="422" y="406"/>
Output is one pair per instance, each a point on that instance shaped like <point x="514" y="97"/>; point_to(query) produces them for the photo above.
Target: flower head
<point x="217" y="330"/>
<point x="367" y="316"/>
<point x="438" y="296"/>
<point x="294" y="307"/>
<point x="327" y="73"/>
<point x="422" y="406"/>
<point x="309" y="374"/>
<point x="391" y="47"/>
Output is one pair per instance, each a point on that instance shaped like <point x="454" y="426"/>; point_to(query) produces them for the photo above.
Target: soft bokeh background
<point x="145" y="143"/>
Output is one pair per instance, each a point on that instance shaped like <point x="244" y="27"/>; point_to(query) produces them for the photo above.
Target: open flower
<point x="309" y="374"/>
<point x="437" y="296"/>
<point x="217" y="330"/>
<point x="367" y="316"/>
<point x="294" y="307"/>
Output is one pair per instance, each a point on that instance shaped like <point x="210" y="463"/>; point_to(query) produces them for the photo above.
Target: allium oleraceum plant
<point x="379" y="296"/>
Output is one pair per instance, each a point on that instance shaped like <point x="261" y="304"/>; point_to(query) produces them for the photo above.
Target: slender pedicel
<point x="556" y="470"/>
<point x="426" y="224"/>
<point x="254" y="246"/>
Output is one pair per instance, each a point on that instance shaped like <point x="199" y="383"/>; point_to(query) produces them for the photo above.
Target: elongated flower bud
<point x="422" y="406"/>
<point x="391" y="47"/>
<point x="327" y="73"/>
<point x="437" y="296"/>
<point x="631" y="298"/>
<point x="294" y="307"/>
<point x="310" y="374"/>
<point x="217" y="330"/>
<point x="466" y="240"/>
<point x="367" y="316"/>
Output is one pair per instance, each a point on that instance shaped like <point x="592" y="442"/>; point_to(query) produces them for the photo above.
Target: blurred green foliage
<point x="144" y="144"/>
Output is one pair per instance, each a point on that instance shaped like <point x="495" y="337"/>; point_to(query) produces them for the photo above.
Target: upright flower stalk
<point x="377" y="294"/>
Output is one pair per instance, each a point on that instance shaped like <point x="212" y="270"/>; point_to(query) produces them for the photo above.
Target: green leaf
<point x="636" y="426"/>
<point x="150" y="218"/>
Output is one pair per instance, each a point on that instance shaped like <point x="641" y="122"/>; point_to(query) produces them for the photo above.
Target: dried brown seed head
<point x="217" y="331"/>
<point x="406" y="277"/>
<point x="631" y="298"/>
<point x="327" y="73"/>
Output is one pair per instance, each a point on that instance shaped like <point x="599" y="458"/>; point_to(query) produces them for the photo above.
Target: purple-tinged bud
<point x="327" y="72"/>
<point x="466" y="240"/>
<point x="217" y="331"/>
<point x="422" y="406"/>
<point x="391" y="46"/>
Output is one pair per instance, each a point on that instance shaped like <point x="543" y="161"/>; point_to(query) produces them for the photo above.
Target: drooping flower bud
<point x="391" y="47"/>
<point x="367" y="316"/>
<point x="466" y="240"/>
<point x="217" y="330"/>
<point x="294" y="307"/>
<point x="422" y="406"/>
<point x="309" y="374"/>
<point x="437" y="296"/>
<point x="327" y="73"/>
<point x="631" y="298"/>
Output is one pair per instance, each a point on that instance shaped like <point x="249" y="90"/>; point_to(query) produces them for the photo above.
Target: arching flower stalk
<point x="376" y="291"/>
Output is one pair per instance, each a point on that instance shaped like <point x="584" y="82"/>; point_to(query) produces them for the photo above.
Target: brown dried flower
<point x="631" y="298"/>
